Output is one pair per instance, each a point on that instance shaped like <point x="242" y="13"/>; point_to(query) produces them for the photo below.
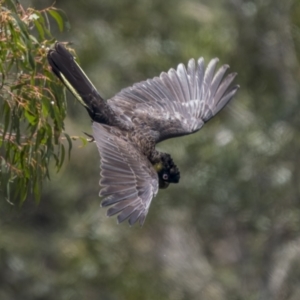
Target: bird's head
<point x="167" y="171"/>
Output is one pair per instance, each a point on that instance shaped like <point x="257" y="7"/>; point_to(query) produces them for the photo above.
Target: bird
<point x="127" y="127"/>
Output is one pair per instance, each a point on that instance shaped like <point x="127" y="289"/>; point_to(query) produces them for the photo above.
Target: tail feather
<point x="72" y="76"/>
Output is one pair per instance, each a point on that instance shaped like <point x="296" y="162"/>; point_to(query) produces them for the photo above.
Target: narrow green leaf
<point x="57" y="17"/>
<point x="22" y="25"/>
<point x="12" y="4"/>
<point x="37" y="189"/>
<point x="7" y="115"/>
<point x="83" y="140"/>
<point x="39" y="29"/>
<point x="62" y="156"/>
<point x="30" y="117"/>
<point x="31" y="60"/>
<point x="69" y="144"/>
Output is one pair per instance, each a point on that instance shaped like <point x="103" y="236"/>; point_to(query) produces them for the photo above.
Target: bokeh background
<point x="231" y="228"/>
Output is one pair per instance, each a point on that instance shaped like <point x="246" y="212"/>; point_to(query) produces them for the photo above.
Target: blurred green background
<point x="231" y="228"/>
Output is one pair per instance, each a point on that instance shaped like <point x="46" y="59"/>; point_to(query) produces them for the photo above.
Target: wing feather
<point x="184" y="82"/>
<point x="128" y="180"/>
<point x="180" y="101"/>
<point x="191" y="70"/>
<point x="208" y="77"/>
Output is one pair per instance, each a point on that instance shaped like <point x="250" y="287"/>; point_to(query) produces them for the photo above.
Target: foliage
<point x="32" y="105"/>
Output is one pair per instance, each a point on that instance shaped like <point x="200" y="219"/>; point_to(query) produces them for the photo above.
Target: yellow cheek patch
<point x="158" y="167"/>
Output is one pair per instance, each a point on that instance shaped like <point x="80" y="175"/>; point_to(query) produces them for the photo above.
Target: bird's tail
<point x="72" y="76"/>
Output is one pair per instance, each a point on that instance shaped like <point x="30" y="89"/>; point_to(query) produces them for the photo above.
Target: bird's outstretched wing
<point x="129" y="182"/>
<point x="178" y="102"/>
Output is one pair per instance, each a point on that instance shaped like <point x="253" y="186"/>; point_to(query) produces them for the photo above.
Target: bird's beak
<point x="163" y="184"/>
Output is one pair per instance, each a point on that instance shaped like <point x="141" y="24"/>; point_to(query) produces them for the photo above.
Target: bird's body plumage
<point x="127" y="127"/>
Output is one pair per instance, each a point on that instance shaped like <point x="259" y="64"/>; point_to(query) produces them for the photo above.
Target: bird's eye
<point x="165" y="176"/>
